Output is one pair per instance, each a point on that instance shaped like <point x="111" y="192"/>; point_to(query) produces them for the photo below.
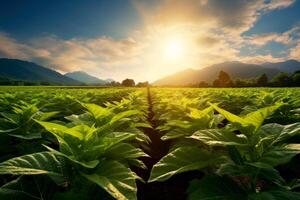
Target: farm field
<point x="155" y="143"/>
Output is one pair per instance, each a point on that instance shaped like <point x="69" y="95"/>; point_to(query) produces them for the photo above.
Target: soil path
<point x="172" y="189"/>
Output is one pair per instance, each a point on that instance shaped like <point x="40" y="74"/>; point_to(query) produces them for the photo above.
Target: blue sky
<point x="278" y="20"/>
<point x="67" y="19"/>
<point x="146" y="40"/>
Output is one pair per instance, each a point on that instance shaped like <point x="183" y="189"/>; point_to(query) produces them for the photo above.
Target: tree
<point x="295" y="78"/>
<point x="128" y="83"/>
<point x="223" y="80"/>
<point x="224" y="77"/>
<point x="5" y="81"/>
<point x="113" y="84"/>
<point x="282" y="79"/>
<point x="44" y="83"/>
<point x="216" y="83"/>
<point x="262" y="80"/>
<point x="240" y="83"/>
<point x="203" y="84"/>
<point x="143" y="84"/>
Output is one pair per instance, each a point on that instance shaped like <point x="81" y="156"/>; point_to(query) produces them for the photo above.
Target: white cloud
<point x="211" y="30"/>
<point x="286" y="38"/>
<point x="295" y="51"/>
<point x="96" y="56"/>
<point x="216" y="27"/>
<point x="257" y="59"/>
<point x="278" y="4"/>
<point x="234" y="16"/>
<point x="10" y="48"/>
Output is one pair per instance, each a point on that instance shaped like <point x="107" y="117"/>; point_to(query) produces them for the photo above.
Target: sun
<point x="173" y="49"/>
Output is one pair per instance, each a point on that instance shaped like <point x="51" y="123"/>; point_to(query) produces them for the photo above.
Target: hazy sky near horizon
<point x="148" y="39"/>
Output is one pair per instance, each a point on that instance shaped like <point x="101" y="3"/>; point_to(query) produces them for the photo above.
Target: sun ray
<point x="173" y="49"/>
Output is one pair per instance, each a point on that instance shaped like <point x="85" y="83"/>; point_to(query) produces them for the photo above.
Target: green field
<point x="157" y="143"/>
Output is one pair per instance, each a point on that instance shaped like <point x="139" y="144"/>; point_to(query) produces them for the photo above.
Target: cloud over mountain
<point x="212" y="30"/>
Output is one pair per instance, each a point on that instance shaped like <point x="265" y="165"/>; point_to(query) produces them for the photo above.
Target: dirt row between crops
<point x="172" y="189"/>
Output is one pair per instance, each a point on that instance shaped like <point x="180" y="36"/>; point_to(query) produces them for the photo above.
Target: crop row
<point x="88" y="146"/>
<point x="88" y="143"/>
<point x="247" y="153"/>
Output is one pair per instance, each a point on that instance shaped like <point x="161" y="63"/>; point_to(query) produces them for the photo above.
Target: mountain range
<point x="289" y="66"/>
<point x="28" y="71"/>
<point x="234" y="69"/>
<point x="86" y="78"/>
<point x="20" y="70"/>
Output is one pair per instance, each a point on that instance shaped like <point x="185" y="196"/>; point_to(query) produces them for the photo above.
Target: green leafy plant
<point x="243" y="155"/>
<point x="20" y="122"/>
<point x="97" y="147"/>
<point x="82" y="142"/>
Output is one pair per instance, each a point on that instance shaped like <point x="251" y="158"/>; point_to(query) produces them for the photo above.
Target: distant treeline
<point x="282" y="79"/>
<point x="13" y="82"/>
<point x="124" y="83"/>
<point x="224" y="80"/>
<point x="7" y="81"/>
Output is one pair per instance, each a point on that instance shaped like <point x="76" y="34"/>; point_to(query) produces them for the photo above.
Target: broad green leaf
<point x="231" y="117"/>
<point x="124" y="114"/>
<point x="80" y="119"/>
<point x="268" y="174"/>
<point x="271" y="175"/>
<point x="235" y="155"/>
<point x="87" y="132"/>
<point x="37" y="163"/>
<point x="198" y="114"/>
<point x="30" y="187"/>
<point x="253" y="119"/>
<point x="111" y="140"/>
<point x="11" y="194"/>
<point x="87" y="164"/>
<point x="257" y="117"/>
<point x="175" y="124"/>
<point x="99" y="113"/>
<point x="181" y="160"/>
<point x="46" y="115"/>
<point x="275" y="195"/>
<point x="142" y="125"/>
<point x="12" y="118"/>
<point x="217" y="137"/>
<point x="116" y="179"/>
<point x="126" y="152"/>
<point x="60" y="130"/>
<point x="215" y="188"/>
<point x="174" y="134"/>
<point x="279" y="133"/>
<point x="9" y="130"/>
<point x="56" y="130"/>
<point x="276" y="156"/>
<point x="30" y="136"/>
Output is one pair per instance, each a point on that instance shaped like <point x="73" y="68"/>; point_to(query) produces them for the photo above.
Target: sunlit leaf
<point x="219" y="137"/>
<point x="37" y="163"/>
<point x="181" y="160"/>
<point x="116" y="179"/>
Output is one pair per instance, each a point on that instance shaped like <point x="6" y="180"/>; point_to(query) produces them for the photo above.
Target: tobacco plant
<point x="97" y="147"/>
<point x="239" y="160"/>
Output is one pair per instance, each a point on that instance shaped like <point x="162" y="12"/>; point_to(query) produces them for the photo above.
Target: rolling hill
<point x="235" y="69"/>
<point x="289" y="66"/>
<point x="27" y="71"/>
<point x="86" y="78"/>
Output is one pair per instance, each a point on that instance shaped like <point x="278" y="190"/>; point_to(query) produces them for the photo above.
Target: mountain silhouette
<point x="28" y="71"/>
<point x="234" y="69"/>
<point x="86" y="78"/>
